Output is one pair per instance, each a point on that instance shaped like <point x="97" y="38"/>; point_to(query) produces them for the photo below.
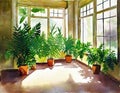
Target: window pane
<point x="99" y="2"/>
<point x="106" y="4"/>
<point x="113" y="12"/>
<point x="38" y="12"/>
<point x="58" y="22"/>
<point x="99" y="41"/>
<point x="87" y="30"/>
<point x="82" y="29"/>
<point x="113" y="2"/>
<point x="22" y="15"/>
<point x="106" y="14"/>
<point x="100" y="27"/>
<point x="43" y="22"/>
<point x="107" y="27"/>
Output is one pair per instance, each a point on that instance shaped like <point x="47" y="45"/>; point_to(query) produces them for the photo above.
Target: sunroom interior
<point x="94" y="21"/>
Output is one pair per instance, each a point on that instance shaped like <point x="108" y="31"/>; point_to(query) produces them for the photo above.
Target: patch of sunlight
<point x="45" y="77"/>
<point x="56" y="75"/>
<point x="78" y="76"/>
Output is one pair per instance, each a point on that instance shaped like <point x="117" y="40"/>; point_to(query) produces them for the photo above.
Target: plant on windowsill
<point x="68" y="48"/>
<point x="22" y="47"/>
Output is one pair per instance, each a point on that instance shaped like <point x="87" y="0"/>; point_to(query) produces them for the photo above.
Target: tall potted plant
<point x="22" y="48"/>
<point x="52" y="46"/>
<point x="68" y="49"/>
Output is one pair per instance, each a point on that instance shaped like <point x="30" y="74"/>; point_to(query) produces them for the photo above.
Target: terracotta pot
<point x="96" y="69"/>
<point x="24" y="70"/>
<point x="68" y="58"/>
<point x="50" y="62"/>
<point x="33" y="67"/>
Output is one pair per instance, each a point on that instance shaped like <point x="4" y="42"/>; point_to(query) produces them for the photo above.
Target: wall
<point x="5" y="29"/>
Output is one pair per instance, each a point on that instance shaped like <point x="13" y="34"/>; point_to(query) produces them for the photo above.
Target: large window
<point x="107" y="24"/>
<point x="86" y="23"/>
<point x="46" y="16"/>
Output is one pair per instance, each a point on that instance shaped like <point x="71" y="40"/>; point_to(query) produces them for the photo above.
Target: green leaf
<point x="22" y="19"/>
<point x="35" y="10"/>
<point x="22" y="11"/>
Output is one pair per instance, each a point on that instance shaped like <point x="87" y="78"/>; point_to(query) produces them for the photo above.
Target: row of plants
<point x="28" y="42"/>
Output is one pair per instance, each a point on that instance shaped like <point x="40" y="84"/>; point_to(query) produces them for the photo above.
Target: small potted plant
<point x="68" y="49"/>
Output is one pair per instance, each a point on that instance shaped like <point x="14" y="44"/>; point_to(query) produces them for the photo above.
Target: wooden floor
<point x="61" y="78"/>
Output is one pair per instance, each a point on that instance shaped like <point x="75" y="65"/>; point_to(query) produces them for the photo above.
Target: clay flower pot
<point x="68" y="58"/>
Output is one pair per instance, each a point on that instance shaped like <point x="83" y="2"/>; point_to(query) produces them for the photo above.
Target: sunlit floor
<point x="62" y="78"/>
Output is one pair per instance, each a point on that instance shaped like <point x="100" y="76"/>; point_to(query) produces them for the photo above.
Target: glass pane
<point x="22" y="15"/>
<point x="38" y="12"/>
<point x="99" y="7"/>
<point x="113" y="12"/>
<point x="107" y="42"/>
<point x="82" y="29"/>
<point x="99" y="41"/>
<point x="106" y="4"/>
<point x="58" y="22"/>
<point x="43" y="22"/>
<point x="99" y="16"/>
<point x="107" y="27"/>
<point x="106" y="14"/>
<point x="60" y="11"/>
<point x="91" y="11"/>
<point x="91" y="5"/>
<point x="113" y="26"/>
<point x="113" y="2"/>
<point x="100" y="27"/>
<point x="87" y="30"/>
<point x="99" y="2"/>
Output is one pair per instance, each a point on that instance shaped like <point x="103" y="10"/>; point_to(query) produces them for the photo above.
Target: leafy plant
<point x="80" y="49"/>
<point x="21" y="47"/>
<point x="23" y="12"/>
<point x="97" y="55"/>
<point x="52" y="44"/>
<point x="110" y="61"/>
<point x="69" y="45"/>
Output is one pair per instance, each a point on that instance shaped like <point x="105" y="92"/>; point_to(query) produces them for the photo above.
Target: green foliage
<point x="23" y="12"/>
<point x="97" y="55"/>
<point x="52" y="43"/>
<point x="21" y="46"/>
<point x="110" y="61"/>
<point x="35" y="10"/>
<point x="92" y="56"/>
<point x="69" y="45"/>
